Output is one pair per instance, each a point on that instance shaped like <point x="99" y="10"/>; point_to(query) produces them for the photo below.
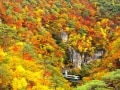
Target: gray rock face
<point x="76" y="57"/>
<point x="79" y="59"/>
<point x="98" y="54"/>
<point x="64" y="36"/>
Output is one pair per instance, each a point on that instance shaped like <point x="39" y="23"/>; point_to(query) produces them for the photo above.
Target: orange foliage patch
<point x="16" y="9"/>
<point x="16" y="48"/>
<point x="27" y="56"/>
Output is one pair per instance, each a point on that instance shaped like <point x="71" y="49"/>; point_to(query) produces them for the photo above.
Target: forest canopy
<point x="41" y="38"/>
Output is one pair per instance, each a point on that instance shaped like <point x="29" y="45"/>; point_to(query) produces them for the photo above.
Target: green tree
<point x="7" y="33"/>
<point x="113" y="79"/>
<point x="93" y="85"/>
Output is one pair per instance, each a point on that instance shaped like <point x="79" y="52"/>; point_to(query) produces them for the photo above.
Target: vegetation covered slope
<point x="32" y="52"/>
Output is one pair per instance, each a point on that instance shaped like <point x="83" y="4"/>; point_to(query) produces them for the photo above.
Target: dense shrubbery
<point x="111" y="81"/>
<point x="32" y="53"/>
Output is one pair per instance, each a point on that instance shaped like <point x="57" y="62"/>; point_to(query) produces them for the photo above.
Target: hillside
<point x="41" y="38"/>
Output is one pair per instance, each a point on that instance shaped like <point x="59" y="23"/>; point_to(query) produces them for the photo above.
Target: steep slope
<point x="40" y="37"/>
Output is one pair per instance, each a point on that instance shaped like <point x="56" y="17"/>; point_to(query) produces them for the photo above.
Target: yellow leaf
<point x="21" y="70"/>
<point x="23" y="82"/>
<point x="2" y="53"/>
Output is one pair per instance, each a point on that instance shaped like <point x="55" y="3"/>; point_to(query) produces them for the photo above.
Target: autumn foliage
<point x="32" y="53"/>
